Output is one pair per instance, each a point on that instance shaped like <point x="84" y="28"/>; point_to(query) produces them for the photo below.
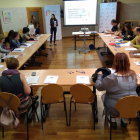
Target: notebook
<point x="32" y="79"/>
<point x="80" y="79"/>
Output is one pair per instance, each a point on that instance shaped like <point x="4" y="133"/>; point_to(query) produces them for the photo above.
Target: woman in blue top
<point x="14" y="43"/>
<point x="53" y="24"/>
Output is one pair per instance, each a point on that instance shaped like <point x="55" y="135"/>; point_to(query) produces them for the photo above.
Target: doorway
<point x="37" y="12"/>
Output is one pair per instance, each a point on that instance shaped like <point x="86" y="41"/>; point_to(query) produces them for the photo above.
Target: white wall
<point x="19" y="16"/>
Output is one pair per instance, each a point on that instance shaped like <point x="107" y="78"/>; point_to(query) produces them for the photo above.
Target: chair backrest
<point x="128" y="106"/>
<point x="21" y="32"/>
<point x="82" y="94"/>
<point x="52" y="93"/>
<point x="5" y="34"/>
<point x="14" y="103"/>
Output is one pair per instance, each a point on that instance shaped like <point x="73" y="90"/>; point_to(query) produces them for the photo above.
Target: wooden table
<point x="28" y="52"/>
<point x="82" y="33"/>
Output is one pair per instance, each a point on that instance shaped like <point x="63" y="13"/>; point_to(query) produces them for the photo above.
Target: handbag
<point x="8" y="117"/>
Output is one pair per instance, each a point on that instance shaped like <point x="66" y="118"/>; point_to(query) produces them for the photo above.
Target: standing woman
<point x="53" y="24"/>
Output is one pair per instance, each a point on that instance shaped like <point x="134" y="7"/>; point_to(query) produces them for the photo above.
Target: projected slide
<point x="80" y="12"/>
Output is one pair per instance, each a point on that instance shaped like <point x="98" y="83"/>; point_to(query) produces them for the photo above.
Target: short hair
<point x="114" y="20"/>
<point x="2" y="37"/>
<point x="15" y="34"/>
<point x="25" y="30"/>
<point x="138" y="29"/>
<point x="35" y="23"/>
<point x="12" y="63"/>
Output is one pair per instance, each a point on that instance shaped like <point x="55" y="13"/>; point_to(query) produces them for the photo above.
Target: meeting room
<point x="69" y="70"/>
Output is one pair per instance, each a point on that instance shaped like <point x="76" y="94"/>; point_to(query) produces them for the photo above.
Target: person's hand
<point x="50" y="24"/>
<point x="100" y="72"/>
<point x="128" y="36"/>
<point x="131" y="55"/>
<point x="131" y="44"/>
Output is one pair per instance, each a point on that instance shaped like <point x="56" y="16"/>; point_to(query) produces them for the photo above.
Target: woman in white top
<point x="32" y="27"/>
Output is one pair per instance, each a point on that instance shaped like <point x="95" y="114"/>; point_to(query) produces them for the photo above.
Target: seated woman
<point x="128" y="33"/>
<point x="26" y="36"/>
<point x="120" y="30"/>
<point x="14" y="43"/>
<point x="14" y="82"/>
<point x="2" y="39"/>
<point x="117" y="86"/>
<point x="32" y="27"/>
<point x="9" y="37"/>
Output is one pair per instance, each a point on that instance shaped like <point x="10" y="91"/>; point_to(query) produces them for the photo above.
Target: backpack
<point x="91" y="47"/>
<point x="7" y="116"/>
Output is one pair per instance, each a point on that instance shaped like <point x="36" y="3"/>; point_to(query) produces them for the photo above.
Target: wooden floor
<point x="64" y="56"/>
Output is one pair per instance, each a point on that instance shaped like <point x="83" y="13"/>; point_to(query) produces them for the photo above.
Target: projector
<point x="84" y="29"/>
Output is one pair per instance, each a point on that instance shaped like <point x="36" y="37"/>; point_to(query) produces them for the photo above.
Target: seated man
<point x="136" y="41"/>
<point x="114" y="28"/>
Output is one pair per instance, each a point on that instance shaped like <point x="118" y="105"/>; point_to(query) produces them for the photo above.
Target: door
<point x="37" y="12"/>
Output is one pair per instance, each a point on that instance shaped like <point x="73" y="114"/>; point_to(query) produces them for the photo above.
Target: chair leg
<point x="75" y="106"/>
<point x="2" y="132"/>
<point x="42" y="115"/>
<point x="139" y="127"/>
<point x="27" y="127"/>
<point x="130" y="121"/>
<point x="110" y="127"/>
<point x="70" y="114"/>
<point x="93" y="115"/>
<point x="65" y="112"/>
<point x="105" y="119"/>
<point x="37" y="115"/>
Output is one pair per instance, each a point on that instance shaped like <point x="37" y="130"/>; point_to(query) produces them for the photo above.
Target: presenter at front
<point x="53" y="24"/>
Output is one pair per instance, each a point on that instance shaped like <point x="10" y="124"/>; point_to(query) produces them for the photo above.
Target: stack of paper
<point x="9" y="56"/>
<point x="51" y="79"/>
<point x="19" y="50"/>
<point x="107" y="35"/>
<point x="32" y="79"/>
<point x="80" y="79"/>
<point x="130" y="49"/>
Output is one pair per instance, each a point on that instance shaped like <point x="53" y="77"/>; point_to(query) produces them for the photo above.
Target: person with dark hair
<point x="33" y="18"/>
<point x="121" y="83"/>
<point x="128" y="33"/>
<point x="37" y="29"/>
<point x="14" y="43"/>
<point x="120" y="30"/>
<point x="9" y="37"/>
<point x="53" y="24"/>
<point x="114" y="28"/>
<point x="32" y="27"/>
<point x="26" y="36"/>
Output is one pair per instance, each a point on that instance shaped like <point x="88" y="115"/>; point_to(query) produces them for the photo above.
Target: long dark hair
<point x="54" y="17"/>
<point x="121" y="64"/>
<point x="129" y="28"/>
<point x="10" y="34"/>
<point x="15" y="34"/>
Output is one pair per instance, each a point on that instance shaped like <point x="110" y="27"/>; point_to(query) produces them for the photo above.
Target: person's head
<point x="113" y="22"/>
<point x="120" y="26"/>
<point x="10" y="34"/>
<point x="36" y="24"/>
<point x="33" y="17"/>
<point x="137" y="31"/>
<point x="53" y="16"/>
<point x="2" y="38"/>
<point x="121" y="64"/>
<point x="16" y="35"/>
<point x="25" y="30"/>
<point x="138" y="39"/>
<point x="12" y="63"/>
<point x="128" y="27"/>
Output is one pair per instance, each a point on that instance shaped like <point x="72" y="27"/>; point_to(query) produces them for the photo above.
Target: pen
<point x="69" y="72"/>
<point x="79" y="71"/>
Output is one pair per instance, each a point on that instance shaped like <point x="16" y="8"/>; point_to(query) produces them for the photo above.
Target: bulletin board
<point x="7" y="16"/>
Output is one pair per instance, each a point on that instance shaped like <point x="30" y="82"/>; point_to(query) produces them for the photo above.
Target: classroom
<point x="69" y="70"/>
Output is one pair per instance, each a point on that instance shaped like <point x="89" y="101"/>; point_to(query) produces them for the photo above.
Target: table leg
<point x="96" y="107"/>
<point x="75" y="41"/>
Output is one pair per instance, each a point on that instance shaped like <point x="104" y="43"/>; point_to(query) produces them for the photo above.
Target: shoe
<point x="123" y="124"/>
<point x="114" y="125"/>
<point x="50" y="44"/>
<point x="55" y="44"/>
<point x="34" y="98"/>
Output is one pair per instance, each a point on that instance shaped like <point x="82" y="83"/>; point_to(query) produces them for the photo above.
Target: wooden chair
<point x="6" y="34"/>
<point x="128" y="107"/>
<point x="13" y="105"/>
<point x="52" y="94"/>
<point x="21" y="32"/>
<point x="82" y="94"/>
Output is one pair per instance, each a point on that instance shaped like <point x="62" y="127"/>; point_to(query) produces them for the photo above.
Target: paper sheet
<point x="9" y="56"/>
<point x="32" y="79"/>
<point x="112" y="71"/>
<point x="130" y="49"/>
<point x="19" y="50"/>
<point x="126" y="44"/>
<point x="137" y="63"/>
<point x="139" y="75"/>
<point x="51" y="79"/>
<point x="1" y="66"/>
<point x="106" y="35"/>
<point x="27" y="45"/>
<point x="80" y="79"/>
